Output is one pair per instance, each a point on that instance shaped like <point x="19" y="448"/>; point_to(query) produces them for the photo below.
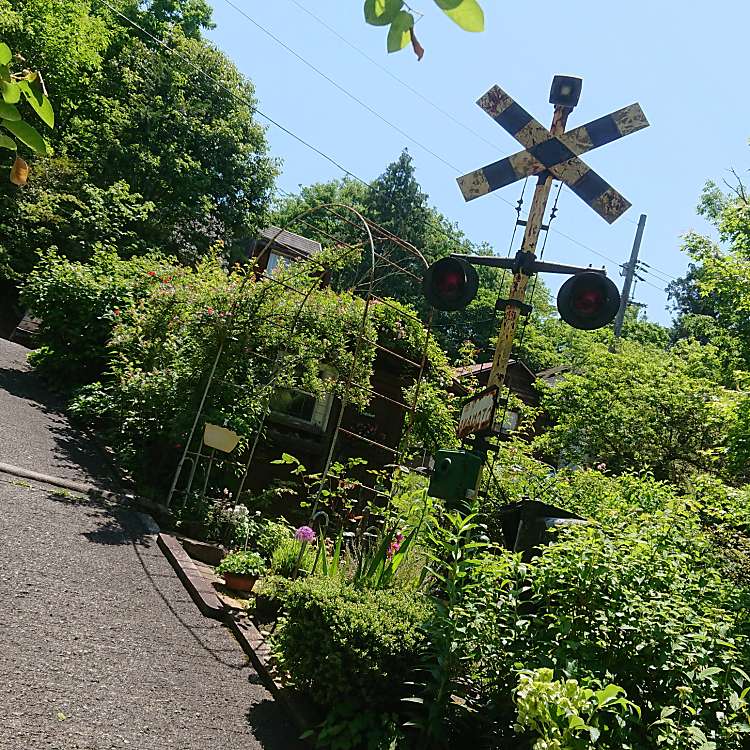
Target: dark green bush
<point x="342" y="644"/>
<point x="638" y="600"/>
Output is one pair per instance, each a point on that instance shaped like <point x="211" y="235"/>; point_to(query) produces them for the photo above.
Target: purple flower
<point x="304" y="534"/>
<point x="395" y="546"/>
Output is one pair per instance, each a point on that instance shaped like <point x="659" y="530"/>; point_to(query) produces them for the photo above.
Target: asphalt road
<point x="34" y="433"/>
<point x="100" y="645"/>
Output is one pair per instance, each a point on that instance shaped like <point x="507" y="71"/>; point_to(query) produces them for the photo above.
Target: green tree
<point x="640" y="408"/>
<point x="713" y="299"/>
<point x="399" y="207"/>
<point x="190" y="162"/>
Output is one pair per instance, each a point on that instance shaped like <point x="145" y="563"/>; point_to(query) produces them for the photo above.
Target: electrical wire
<point x="246" y="101"/>
<point x="256" y="110"/>
<point x="398" y="80"/>
<point x="341" y="88"/>
<point x="385" y="120"/>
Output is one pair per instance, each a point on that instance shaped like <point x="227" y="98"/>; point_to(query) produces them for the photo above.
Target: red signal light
<point x="450" y="284"/>
<point x="588" y="300"/>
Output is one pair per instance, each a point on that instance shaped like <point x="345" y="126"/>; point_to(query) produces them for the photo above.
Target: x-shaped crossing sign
<point x="555" y="154"/>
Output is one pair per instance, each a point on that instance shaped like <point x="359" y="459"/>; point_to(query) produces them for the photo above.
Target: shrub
<point x="80" y="304"/>
<point x="269" y="537"/>
<point x="242" y="563"/>
<point x="566" y="714"/>
<point x="640" y="602"/>
<point x="344" y="645"/>
<point x="213" y="520"/>
<point x="291" y="557"/>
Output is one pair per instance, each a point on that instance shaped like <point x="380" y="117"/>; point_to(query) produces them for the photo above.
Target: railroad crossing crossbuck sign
<point x="557" y="154"/>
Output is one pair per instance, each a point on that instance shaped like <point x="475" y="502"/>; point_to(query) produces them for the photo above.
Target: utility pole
<point x="630" y="270"/>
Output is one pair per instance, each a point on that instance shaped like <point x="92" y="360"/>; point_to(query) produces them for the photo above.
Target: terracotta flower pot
<point x="239" y="581"/>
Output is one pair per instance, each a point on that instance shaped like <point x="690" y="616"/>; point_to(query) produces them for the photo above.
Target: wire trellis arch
<point x="193" y="458"/>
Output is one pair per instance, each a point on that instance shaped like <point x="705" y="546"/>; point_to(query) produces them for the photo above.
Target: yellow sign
<point x="220" y="438"/>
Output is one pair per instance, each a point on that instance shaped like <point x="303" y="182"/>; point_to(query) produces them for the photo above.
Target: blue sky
<point x="686" y="63"/>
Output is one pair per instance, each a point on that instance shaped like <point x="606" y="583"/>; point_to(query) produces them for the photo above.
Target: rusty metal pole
<point x="517" y="292"/>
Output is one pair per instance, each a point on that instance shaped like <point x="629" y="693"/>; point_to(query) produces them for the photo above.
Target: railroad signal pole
<point x="589" y="300"/>
<point x="514" y="305"/>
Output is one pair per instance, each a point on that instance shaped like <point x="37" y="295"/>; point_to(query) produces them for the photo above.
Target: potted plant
<point x="241" y="570"/>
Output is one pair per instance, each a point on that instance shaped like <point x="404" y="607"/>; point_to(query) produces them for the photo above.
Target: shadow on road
<point x="264" y="719"/>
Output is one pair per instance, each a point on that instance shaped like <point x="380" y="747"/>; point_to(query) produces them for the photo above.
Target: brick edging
<point x="200" y="590"/>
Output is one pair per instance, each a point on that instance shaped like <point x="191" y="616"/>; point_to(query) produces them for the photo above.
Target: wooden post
<point x="520" y="279"/>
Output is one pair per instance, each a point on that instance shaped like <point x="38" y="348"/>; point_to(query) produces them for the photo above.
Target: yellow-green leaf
<point x="5" y="54"/>
<point x="7" y="142"/>
<point x="11" y="92"/>
<point x="382" y="12"/>
<point x="27" y="134"/>
<point x="9" y="112"/>
<point x="466" y="13"/>
<point x="399" y="34"/>
<point x="39" y="102"/>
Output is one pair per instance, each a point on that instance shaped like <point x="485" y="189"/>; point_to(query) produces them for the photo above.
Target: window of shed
<point x="299" y="408"/>
<point x="274" y="260"/>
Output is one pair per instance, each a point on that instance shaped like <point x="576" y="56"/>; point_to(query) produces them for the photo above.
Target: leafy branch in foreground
<point x="395" y="14"/>
<point x="29" y="85"/>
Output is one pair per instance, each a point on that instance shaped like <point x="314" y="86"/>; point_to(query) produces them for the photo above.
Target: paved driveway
<point x="34" y="433"/>
<point x="100" y="645"/>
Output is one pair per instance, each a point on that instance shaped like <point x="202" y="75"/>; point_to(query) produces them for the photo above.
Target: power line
<point x="658" y="288"/>
<point x="654" y="271"/>
<point x="398" y="80"/>
<point x="376" y="113"/>
<point x="255" y="109"/>
<point x="341" y="88"/>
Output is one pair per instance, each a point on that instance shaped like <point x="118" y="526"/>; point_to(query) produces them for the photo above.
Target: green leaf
<point x="709" y="672"/>
<point x="5" y="54"/>
<point x="398" y="34"/>
<point x="466" y="13"/>
<point x="6" y="142"/>
<point x="9" y="112"/>
<point x="382" y="12"/>
<point x="608" y="694"/>
<point x="11" y="92"/>
<point x="27" y="134"/>
<point x="39" y="102"/>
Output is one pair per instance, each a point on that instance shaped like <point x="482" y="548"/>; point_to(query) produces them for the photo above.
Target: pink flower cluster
<point x="395" y="545"/>
<point x="304" y="534"/>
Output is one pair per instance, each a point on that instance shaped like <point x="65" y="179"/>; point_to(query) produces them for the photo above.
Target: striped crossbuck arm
<point x="558" y="154"/>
